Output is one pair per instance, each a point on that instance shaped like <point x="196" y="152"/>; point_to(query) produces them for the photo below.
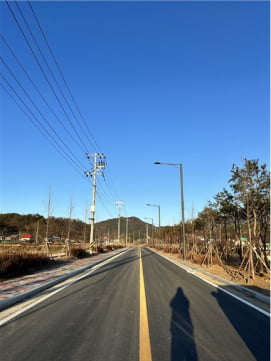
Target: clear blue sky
<point x="175" y="82"/>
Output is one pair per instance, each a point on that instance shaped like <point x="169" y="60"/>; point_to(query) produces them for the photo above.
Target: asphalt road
<point x="97" y="318"/>
<point x="191" y="320"/>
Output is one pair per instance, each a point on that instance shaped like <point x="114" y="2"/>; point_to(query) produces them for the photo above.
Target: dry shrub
<point x="175" y="250"/>
<point x="100" y="249"/>
<point x="18" y="264"/>
<point x="79" y="253"/>
<point x="196" y="258"/>
<point x="113" y="247"/>
<point x="167" y="249"/>
<point x="216" y="261"/>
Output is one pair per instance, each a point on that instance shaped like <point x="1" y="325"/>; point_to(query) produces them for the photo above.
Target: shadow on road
<point x="182" y="336"/>
<point x="254" y="329"/>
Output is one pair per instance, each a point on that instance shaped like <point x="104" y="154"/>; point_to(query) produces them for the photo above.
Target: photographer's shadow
<point x="183" y="347"/>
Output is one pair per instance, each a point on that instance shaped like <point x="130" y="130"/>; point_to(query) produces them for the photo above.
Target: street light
<point x="156" y="205"/>
<point x="182" y="199"/>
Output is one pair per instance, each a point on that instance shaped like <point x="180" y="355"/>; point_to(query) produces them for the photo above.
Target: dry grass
<point x="18" y="264"/>
<point x="79" y="253"/>
<point x="261" y="282"/>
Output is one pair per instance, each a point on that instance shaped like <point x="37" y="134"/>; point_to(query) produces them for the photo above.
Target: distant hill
<point x="109" y="228"/>
<point x="17" y="224"/>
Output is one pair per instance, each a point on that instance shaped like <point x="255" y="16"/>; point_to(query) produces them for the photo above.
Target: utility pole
<point x="127" y="220"/>
<point x="98" y="166"/>
<point x="147" y="233"/>
<point x="180" y="165"/>
<point x="119" y="205"/>
<point x="182" y="206"/>
<point x="37" y="233"/>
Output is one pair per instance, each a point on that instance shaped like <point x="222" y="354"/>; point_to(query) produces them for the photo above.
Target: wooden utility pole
<point x="37" y="232"/>
<point x="127" y="220"/>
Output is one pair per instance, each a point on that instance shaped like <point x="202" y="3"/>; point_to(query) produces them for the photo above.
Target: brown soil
<point x="261" y="283"/>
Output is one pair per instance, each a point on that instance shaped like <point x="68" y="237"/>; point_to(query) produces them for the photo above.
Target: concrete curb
<point x="4" y="304"/>
<point x="251" y="293"/>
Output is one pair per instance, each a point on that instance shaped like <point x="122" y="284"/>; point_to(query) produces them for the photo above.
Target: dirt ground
<point x="260" y="283"/>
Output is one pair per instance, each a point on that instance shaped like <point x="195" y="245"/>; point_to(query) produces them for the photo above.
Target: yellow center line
<point x="144" y="334"/>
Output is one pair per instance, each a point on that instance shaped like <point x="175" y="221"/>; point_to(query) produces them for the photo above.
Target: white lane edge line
<point x="219" y="287"/>
<point x="95" y="268"/>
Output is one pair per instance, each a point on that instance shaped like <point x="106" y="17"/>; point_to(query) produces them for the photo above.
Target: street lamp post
<point x="182" y="200"/>
<point x="158" y="206"/>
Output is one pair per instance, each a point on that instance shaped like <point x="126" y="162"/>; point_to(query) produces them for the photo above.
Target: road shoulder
<point x="256" y="299"/>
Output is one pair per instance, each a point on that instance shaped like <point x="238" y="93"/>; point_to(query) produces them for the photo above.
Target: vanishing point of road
<point x="137" y="307"/>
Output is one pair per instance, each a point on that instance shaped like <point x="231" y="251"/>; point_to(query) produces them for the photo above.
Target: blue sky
<point x="175" y="82"/>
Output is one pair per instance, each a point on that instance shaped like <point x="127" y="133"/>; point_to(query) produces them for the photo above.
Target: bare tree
<point x="251" y="185"/>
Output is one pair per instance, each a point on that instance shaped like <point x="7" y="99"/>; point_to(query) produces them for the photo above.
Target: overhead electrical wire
<point x="111" y="183"/>
<point x="51" y="72"/>
<point x="102" y="203"/>
<point x="38" y="110"/>
<point x="83" y="147"/>
<point x="113" y="196"/>
<point x="52" y="141"/>
<point x="69" y="91"/>
<point x="40" y="126"/>
<point x="36" y="88"/>
<point x="69" y="156"/>
<point x="63" y="78"/>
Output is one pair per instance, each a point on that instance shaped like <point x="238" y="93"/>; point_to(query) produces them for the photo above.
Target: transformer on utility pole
<point x="98" y="166"/>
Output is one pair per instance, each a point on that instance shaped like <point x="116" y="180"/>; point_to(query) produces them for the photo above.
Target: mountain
<point x="109" y="228"/>
<point x="17" y="224"/>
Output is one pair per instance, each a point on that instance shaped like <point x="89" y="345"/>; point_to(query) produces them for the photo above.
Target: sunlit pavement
<point x="257" y="299"/>
<point x="145" y="307"/>
<point x="16" y="289"/>
<point x="19" y="288"/>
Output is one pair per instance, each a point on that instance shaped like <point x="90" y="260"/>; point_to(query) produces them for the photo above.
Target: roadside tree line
<point x="236" y="220"/>
<point x="13" y="224"/>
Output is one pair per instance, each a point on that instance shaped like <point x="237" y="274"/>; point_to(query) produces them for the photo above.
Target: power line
<point x="37" y="89"/>
<point x="102" y="195"/>
<point x="50" y="71"/>
<point x="37" y="109"/>
<point x="39" y="126"/>
<point x="62" y="76"/>
<point x="83" y="147"/>
<point x="109" y="183"/>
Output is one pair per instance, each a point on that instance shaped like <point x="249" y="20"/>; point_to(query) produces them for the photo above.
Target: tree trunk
<point x="251" y="264"/>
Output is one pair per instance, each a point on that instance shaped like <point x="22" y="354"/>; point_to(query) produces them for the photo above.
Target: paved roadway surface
<point x="97" y="318"/>
<point x="16" y="289"/>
